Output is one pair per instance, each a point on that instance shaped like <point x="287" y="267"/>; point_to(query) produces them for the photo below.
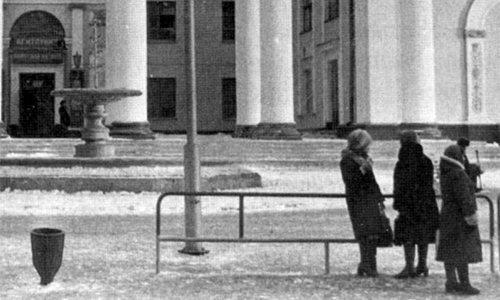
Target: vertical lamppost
<point x="3" y="132"/>
<point x="192" y="204"/>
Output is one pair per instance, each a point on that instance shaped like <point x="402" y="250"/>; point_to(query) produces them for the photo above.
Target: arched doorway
<point x="37" y="51"/>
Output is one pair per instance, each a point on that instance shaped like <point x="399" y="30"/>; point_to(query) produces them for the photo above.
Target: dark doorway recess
<point x="36" y="104"/>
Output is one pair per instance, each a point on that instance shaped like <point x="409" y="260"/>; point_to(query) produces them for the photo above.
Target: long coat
<point x="414" y="197"/>
<point x="363" y="197"/>
<point x="458" y="242"/>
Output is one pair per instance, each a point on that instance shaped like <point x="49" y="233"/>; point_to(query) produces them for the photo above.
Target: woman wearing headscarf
<point x="415" y="200"/>
<point x="364" y="199"/>
<point x="459" y="243"/>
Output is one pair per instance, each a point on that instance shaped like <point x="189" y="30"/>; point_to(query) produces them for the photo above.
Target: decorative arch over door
<point x="475" y="33"/>
<point x="37" y="37"/>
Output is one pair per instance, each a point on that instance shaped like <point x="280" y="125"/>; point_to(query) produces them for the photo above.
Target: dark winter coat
<point x="414" y="197"/>
<point x="363" y="196"/>
<point x="458" y="242"/>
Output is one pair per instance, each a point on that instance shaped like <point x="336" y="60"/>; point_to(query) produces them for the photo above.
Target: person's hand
<point x="472" y="220"/>
<point x="365" y="167"/>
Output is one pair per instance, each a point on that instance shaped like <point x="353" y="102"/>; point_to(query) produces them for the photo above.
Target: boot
<point x="465" y="288"/>
<point x="409" y="269"/>
<point x="366" y="264"/>
<point x="422" y="261"/>
<point x="451" y="285"/>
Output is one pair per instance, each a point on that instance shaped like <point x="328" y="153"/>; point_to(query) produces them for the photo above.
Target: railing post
<point x="327" y="258"/>
<point x="492" y="233"/>
<point x="498" y="228"/>
<point x="242" y="217"/>
<point x="158" y="232"/>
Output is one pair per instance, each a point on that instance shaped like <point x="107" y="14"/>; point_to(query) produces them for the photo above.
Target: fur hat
<point x="358" y="139"/>
<point x="454" y="152"/>
<point x="408" y="136"/>
<point x="463" y="142"/>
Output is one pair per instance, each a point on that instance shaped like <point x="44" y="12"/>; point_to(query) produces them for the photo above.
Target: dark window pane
<point x="332" y="9"/>
<point x="161" y="98"/>
<point x="306" y="15"/>
<point x="228" y="21"/>
<point x="228" y="98"/>
<point x="161" y="20"/>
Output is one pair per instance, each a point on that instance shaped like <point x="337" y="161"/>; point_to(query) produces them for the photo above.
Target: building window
<point x="308" y="91"/>
<point x="228" y="21"/>
<point x="306" y="15"/>
<point x="161" y="20"/>
<point x="228" y="98"/>
<point x="161" y="98"/>
<point x="331" y="10"/>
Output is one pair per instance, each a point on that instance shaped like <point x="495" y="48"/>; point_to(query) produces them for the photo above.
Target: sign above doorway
<point x="37" y="37"/>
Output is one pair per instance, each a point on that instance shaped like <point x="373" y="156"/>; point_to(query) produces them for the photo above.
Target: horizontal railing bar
<point x="254" y="240"/>
<point x="234" y="194"/>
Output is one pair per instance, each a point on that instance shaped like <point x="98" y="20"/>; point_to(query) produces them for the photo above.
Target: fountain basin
<point x="94" y="133"/>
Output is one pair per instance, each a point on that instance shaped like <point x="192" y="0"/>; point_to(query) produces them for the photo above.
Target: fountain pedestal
<point x="94" y="133"/>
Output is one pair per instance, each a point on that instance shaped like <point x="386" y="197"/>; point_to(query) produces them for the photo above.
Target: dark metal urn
<point x="47" y="248"/>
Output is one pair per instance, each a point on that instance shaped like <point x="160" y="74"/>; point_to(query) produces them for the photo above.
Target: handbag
<point x="386" y="238"/>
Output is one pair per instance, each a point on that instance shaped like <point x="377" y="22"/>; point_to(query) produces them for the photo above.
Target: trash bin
<point x="47" y="248"/>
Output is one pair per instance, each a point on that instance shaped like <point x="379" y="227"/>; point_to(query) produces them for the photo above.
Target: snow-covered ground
<point x="279" y="179"/>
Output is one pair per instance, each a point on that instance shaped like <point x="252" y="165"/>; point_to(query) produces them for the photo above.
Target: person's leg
<point x="451" y="285"/>
<point x="363" y="264"/>
<point x="373" y="257"/>
<point x="368" y="250"/>
<point x="422" y="260"/>
<point x="409" y="269"/>
<point x="463" y="277"/>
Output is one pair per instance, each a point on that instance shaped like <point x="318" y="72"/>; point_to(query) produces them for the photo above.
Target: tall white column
<point x="247" y="67"/>
<point x="126" y="66"/>
<point x="417" y="53"/>
<point x="3" y="132"/>
<point x="277" y="113"/>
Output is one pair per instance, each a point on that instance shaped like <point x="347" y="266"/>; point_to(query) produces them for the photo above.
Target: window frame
<point x="225" y="105"/>
<point x="228" y="21"/>
<point x="307" y="16"/>
<point x="154" y="33"/>
<point x="156" y="104"/>
<point x="308" y="91"/>
<point x="332" y="10"/>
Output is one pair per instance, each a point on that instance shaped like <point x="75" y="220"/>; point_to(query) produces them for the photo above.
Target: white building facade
<point x="388" y="65"/>
<point x="265" y="69"/>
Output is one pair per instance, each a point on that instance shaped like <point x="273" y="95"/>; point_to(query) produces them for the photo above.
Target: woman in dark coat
<point x="459" y="243"/>
<point x="364" y="199"/>
<point x="415" y="200"/>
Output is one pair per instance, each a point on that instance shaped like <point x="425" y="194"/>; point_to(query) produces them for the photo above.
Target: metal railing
<point x="241" y="238"/>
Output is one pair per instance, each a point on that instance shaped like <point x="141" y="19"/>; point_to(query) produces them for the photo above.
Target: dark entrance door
<point x="36" y="104"/>
<point x="334" y="92"/>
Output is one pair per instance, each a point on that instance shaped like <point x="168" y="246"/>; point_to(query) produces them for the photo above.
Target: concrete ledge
<point x="107" y="162"/>
<point x="219" y="180"/>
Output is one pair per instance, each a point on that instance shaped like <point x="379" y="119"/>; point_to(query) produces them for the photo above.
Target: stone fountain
<point x="94" y="133"/>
